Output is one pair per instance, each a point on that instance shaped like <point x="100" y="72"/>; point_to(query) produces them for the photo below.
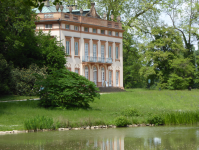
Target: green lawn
<point x="105" y="109"/>
<point x="15" y="97"/>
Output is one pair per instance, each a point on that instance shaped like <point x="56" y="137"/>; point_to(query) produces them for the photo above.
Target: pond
<point x="138" y="138"/>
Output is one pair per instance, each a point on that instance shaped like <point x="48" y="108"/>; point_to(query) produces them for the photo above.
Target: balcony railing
<point x="96" y="59"/>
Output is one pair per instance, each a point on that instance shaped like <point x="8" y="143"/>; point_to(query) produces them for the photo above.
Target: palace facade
<point x="93" y="45"/>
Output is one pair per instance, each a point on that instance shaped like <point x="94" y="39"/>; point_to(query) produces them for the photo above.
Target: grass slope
<point x="103" y="110"/>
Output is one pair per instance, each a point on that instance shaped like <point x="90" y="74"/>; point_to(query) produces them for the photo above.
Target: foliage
<point x="66" y="89"/>
<point x="20" y="44"/>
<point x="50" y="52"/>
<point x="130" y="112"/>
<point x="38" y="122"/>
<point x="157" y="120"/>
<point x="5" y="76"/>
<point x="24" y="79"/>
<point x="121" y="121"/>
<point x="165" y="61"/>
<point x="17" y="32"/>
<point x="132" y="63"/>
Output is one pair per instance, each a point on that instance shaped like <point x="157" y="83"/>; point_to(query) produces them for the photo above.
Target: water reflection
<point x="180" y="137"/>
<point x="110" y="144"/>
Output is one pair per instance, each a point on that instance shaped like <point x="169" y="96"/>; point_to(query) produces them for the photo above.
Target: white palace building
<point x="94" y="45"/>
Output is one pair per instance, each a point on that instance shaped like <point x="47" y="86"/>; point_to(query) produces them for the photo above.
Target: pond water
<point x="138" y="138"/>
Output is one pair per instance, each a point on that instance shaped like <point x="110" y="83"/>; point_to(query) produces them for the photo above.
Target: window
<point x="85" y="29"/>
<point x="109" y="33"/>
<point x="48" y="26"/>
<point x="76" y="48"/>
<point x="94" y="31"/>
<point x="77" y="71"/>
<point x="117" y="78"/>
<point x="86" y="72"/>
<point x="94" y="52"/>
<point x="109" y="52"/>
<point x="68" y="47"/>
<point x="116" y="34"/>
<point x="67" y="26"/>
<point x="116" y="53"/>
<point x="76" y="28"/>
<point x="102" y="31"/>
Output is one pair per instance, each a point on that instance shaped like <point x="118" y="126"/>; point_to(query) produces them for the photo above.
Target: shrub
<point x="66" y="89"/>
<point x="130" y="112"/>
<point x="39" y="122"/>
<point x="24" y="79"/>
<point x="157" y="120"/>
<point x="121" y="121"/>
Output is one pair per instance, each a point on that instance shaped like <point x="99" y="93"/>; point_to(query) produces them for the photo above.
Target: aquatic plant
<point x="181" y="117"/>
<point x="38" y="122"/>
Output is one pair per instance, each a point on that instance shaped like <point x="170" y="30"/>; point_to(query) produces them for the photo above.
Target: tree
<point x="20" y="44"/>
<point x="66" y="89"/>
<point x="132" y="63"/>
<point x="50" y="52"/>
<point x="165" y="62"/>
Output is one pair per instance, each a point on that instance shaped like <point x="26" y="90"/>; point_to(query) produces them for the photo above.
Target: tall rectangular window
<point x="102" y="31"/>
<point x="76" y="48"/>
<point x="109" y="33"/>
<point x="109" y="52"/>
<point x="77" y="71"/>
<point x="117" y="78"/>
<point x="68" y="47"/>
<point x="116" y="34"/>
<point x="67" y="26"/>
<point x="116" y="53"/>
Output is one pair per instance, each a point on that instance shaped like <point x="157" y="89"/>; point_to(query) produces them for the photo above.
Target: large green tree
<point x="132" y="63"/>
<point x="165" y="60"/>
<point x="20" y="44"/>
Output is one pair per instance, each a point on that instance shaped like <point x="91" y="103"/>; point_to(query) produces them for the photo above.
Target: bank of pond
<point x="127" y="119"/>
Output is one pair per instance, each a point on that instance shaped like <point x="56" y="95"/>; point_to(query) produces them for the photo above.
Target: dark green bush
<point x="24" y="79"/>
<point x="66" y="89"/>
<point x="121" y="121"/>
<point x="130" y="112"/>
<point x="6" y="81"/>
<point x="157" y="120"/>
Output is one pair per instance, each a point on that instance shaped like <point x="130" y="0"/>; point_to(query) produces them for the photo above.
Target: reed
<point x="181" y="117"/>
<point x="38" y="123"/>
